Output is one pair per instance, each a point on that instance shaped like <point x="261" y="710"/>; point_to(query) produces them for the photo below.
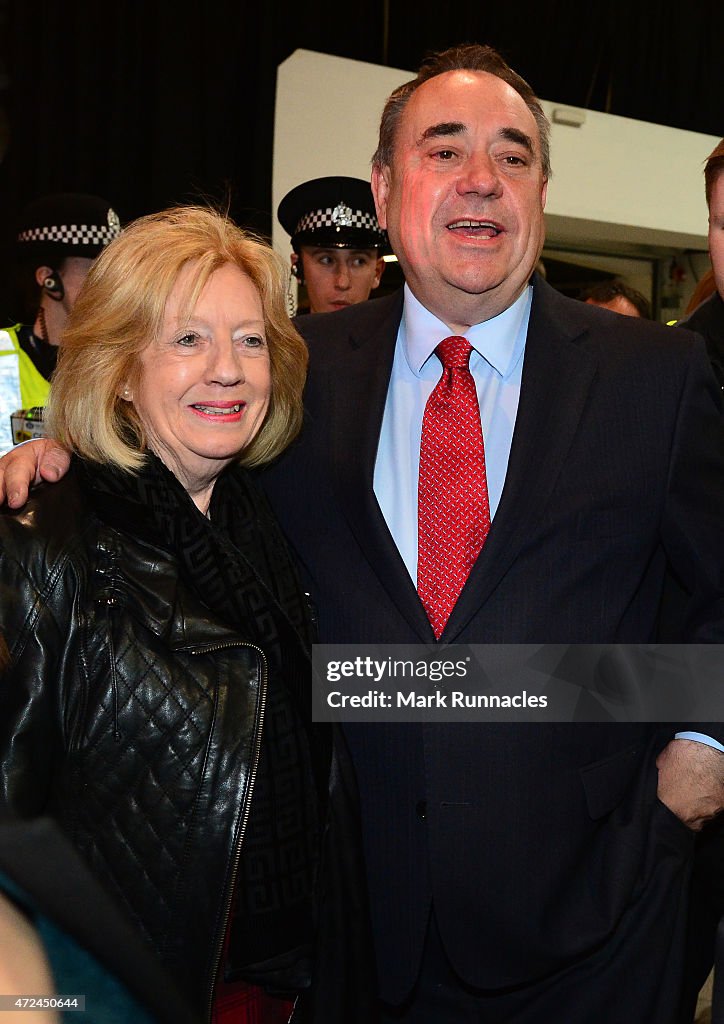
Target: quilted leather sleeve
<point x="38" y="592"/>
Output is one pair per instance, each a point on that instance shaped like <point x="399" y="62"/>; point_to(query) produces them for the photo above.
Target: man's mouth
<point x="479" y="228"/>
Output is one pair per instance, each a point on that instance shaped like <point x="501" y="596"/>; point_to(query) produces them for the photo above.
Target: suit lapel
<point x="356" y="419"/>
<point x="557" y="375"/>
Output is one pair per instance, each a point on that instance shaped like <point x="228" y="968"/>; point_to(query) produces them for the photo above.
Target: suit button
<point x="421" y="809"/>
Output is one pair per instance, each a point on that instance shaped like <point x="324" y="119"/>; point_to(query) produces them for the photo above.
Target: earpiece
<point x="53" y="286"/>
<point x="298" y="270"/>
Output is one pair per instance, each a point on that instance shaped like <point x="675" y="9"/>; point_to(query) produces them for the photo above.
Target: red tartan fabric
<point x="239" y="1003"/>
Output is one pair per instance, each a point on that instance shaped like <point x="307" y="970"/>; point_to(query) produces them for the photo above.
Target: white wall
<point x="618" y="184"/>
<point x="620" y="180"/>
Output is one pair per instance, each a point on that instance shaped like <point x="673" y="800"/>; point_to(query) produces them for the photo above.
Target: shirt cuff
<point x="700" y="737"/>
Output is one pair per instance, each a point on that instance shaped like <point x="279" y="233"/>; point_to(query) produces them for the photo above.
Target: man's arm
<point x="691" y="773"/>
<point x="28" y="464"/>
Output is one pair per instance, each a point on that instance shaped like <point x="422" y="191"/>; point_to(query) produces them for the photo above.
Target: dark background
<point x="152" y="103"/>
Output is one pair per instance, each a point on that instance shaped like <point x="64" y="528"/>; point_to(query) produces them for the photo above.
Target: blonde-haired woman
<point x="156" y="701"/>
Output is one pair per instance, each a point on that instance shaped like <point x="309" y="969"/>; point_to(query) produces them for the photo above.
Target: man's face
<point x="463" y="200"/>
<point x="74" y="271"/>
<point x="619" y="304"/>
<point x="336" y="278"/>
<point x="716" y="232"/>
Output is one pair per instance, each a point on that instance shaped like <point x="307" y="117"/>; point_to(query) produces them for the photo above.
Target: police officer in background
<point x="58" y="237"/>
<point x="336" y="239"/>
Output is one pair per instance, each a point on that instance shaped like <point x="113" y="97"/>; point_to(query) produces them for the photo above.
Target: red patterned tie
<point x="452" y="503"/>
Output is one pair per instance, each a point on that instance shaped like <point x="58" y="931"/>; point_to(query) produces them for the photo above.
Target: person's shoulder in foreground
<point x="109" y="968"/>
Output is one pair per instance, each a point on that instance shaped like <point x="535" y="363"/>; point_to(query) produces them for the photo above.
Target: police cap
<point x="65" y="224"/>
<point x="338" y="212"/>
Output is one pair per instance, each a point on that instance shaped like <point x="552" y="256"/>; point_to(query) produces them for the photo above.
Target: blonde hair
<point x="120" y="310"/>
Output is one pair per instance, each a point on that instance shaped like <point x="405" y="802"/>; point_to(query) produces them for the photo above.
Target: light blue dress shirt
<point x="496" y="364"/>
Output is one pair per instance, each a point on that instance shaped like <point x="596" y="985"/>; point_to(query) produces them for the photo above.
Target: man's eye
<point x="513" y="160"/>
<point x="324" y="261"/>
<point x="444" y="154"/>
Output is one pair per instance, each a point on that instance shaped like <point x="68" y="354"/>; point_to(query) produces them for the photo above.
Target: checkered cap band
<point x="72" y="234"/>
<point x="326" y="218"/>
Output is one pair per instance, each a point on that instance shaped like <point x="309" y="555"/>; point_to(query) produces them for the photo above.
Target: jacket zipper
<point x="110" y="602"/>
<point x="247" y="807"/>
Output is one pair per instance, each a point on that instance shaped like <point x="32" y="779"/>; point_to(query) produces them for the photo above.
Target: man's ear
<point x="381" y="190"/>
<point x="41" y="275"/>
<point x="50" y="281"/>
<point x="544" y="194"/>
<point x="379" y="270"/>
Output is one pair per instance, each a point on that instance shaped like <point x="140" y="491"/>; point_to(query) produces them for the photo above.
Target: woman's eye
<point x="254" y="341"/>
<point x="187" y="340"/>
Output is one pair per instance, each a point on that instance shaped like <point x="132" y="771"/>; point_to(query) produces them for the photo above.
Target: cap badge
<point x="342" y="216"/>
<point x="114" y="222"/>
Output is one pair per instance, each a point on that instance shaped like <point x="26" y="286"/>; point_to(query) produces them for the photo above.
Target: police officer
<point x="58" y="238"/>
<point x="336" y="239"/>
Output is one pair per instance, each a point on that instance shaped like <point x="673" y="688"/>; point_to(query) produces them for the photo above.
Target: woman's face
<point x="205" y="382"/>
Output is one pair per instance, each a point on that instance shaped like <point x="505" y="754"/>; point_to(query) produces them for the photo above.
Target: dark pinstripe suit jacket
<point x="534" y="835"/>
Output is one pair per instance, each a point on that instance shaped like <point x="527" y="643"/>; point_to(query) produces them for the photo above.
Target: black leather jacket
<point x="134" y="719"/>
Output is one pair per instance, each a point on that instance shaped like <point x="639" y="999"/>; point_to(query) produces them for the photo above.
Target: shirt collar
<point x="500" y="340"/>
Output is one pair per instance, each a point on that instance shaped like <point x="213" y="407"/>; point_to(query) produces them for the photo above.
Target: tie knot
<point x="454" y="352"/>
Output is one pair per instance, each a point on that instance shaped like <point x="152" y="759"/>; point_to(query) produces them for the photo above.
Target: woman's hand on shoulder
<point x="27" y="465"/>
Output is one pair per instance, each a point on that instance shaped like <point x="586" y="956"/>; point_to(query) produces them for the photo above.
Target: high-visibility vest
<point x="22" y="386"/>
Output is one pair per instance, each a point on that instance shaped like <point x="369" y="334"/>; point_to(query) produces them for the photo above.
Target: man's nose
<point x="342" y="277"/>
<point x="479" y="175"/>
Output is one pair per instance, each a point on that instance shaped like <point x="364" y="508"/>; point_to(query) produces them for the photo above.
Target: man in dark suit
<point x="518" y="873"/>
<point x="707" y="887"/>
<point x="529" y="869"/>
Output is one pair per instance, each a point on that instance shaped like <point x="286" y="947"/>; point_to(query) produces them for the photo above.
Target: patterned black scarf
<point x="238" y="564"/>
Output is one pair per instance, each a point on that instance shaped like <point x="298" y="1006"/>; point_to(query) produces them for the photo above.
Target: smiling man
<point x="461" y="193"/>
<point x="511" y="481"/>
<point x="486" y="461"/>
